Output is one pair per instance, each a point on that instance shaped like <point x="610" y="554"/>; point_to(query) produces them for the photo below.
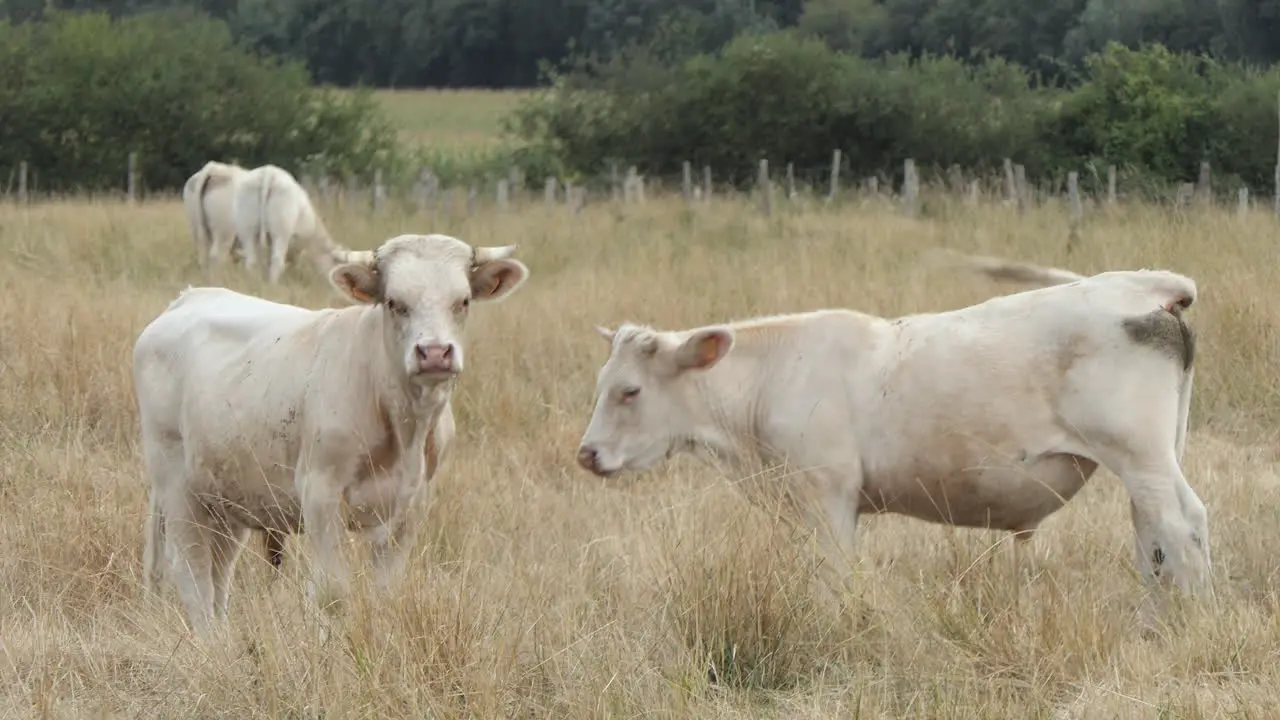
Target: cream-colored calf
<point x="993" y="415"/>
<point x="260" y="415"/>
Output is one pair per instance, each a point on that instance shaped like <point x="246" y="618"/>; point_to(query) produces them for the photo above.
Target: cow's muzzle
<point x="589" y="459"/>
<point x="436" y="359"/>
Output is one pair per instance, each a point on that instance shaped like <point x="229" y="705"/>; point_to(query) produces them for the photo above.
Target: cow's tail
<point x="1008" y="270"/>
<point x="153" y="554"/>
<point x="204" y="237"/>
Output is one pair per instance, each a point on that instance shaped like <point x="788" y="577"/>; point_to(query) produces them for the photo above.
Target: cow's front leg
<point x="391" y="548"/>
<point x="833" y="514"/>
<point x="391" y="544"/>
<point x="321" y="497"/>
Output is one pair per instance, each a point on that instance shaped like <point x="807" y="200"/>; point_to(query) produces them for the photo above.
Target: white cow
<point x="274" y="217"/>
<point x="208" y="197"/>
<point x="260" y="415"/>
<point x="992" y="415"/>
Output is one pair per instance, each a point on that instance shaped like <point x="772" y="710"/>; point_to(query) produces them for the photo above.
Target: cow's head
<point x="647" y="404"/>
<point x="424" y="285"/>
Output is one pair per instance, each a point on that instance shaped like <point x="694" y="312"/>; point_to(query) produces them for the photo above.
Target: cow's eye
<point x="397" y="307"/>
<point x="462" y="305"/>
<point x="629" y="393"/>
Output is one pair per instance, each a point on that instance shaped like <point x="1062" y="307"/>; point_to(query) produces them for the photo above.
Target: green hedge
<point x="793" y="100"/>
<point x="79" y="92"/>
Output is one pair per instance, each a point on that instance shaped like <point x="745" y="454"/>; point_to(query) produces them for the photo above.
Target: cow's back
<point x="216" y="343"/>
<point x="233" y="378"/>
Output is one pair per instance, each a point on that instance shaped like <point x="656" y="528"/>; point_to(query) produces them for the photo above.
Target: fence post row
<point x="630" y="188"/>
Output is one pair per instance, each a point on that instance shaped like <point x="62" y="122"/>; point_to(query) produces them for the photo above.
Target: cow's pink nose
<point x="588" y="458"/>
<point x="435" y="358"/>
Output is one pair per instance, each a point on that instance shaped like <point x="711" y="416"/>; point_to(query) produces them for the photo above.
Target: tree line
<point x="503" y="43"/>
<point x="80" y="89"/>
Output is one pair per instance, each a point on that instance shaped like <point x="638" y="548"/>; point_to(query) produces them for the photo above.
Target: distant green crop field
<point x="449" y="119"/>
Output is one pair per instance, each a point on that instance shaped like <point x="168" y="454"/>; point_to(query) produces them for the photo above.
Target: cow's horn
<point x="489" y="254"/>
<point x="354" y="256"/>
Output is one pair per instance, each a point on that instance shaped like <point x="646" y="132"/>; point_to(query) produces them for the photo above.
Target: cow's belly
<point x="253" y="492"/>
<point x="1013" y="496"/>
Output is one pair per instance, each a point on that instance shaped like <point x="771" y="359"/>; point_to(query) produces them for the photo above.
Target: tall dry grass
<point x="540" y="591"/>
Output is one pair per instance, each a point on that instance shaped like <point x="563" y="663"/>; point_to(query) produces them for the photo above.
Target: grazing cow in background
<point x="261" y="415"/>
<point x="208" y="197"/>
<point x="992" y="415"/>
<point x="274" y="217"/>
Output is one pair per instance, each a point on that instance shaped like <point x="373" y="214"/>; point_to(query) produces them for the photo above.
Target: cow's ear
<point x="704" y="348"/>
<point x="605" y="333"/>
<point x="358" y="281"/>
<point x="497" y="279"/>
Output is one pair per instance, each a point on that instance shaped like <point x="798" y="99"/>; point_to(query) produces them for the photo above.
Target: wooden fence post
<point x="132" y="182"/>
<point x="1276" y="201"/>
<point x="1075" y="211"/>
<point x="1242" y="203"/>
<point x="955" y="177"/>
<point x="549" y="191"/>
<point x="1020" y="182"/>
<point x="1204" y="185"/>
<point x="379" y="190"/>
<point x="791" y="181"/>
<point x="835" y="175"/>
<point x="686" y="184"/>
<point x="766" y="188"/>
<point x="515" y="185"/>
<point x="1010" y="183"/>
<point x="910" y="187"/>
<point x="706" y="183"/>
<point x="629" y="185"/>
<point x="1111" y="184"/>
<point x="504" y="190"/>
<point x="23" y="197"/>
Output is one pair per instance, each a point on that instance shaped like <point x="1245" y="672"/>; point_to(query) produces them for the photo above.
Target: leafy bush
<point x="1154" y="113"/>
<point x="789" y="99"/>
<point x="79" y="92"/>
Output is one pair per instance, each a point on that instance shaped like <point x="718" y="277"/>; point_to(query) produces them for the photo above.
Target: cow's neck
<point x="730" y="400"/>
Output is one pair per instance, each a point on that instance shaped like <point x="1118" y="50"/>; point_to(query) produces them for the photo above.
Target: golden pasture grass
<point x="540" y="591"/>
<point x="449" y="119"/>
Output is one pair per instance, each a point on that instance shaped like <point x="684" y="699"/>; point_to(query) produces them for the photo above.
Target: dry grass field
<point x="540" y="591"/>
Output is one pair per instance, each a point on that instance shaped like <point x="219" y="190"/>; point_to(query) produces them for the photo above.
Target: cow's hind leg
<point x="192" y="535"/>
<point x="1172" y="543"/>
<point x="227" y="542"/>
<point x="279" y="249"/>
<point x="166" y="466"/>
<point x="221" y="245"/>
